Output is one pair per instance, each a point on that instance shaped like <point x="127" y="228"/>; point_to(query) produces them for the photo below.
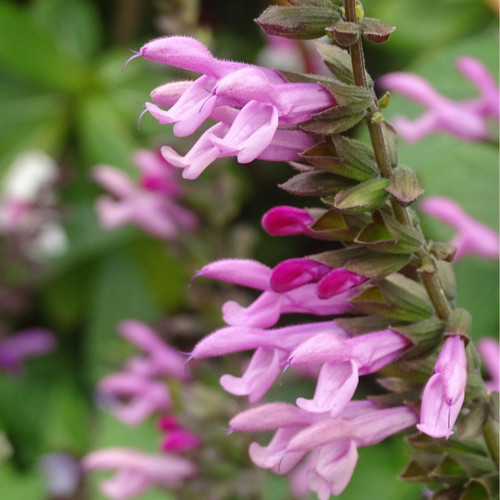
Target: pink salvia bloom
<point x="444" y="392"/>
<point x="142" y="397"/>
<point x="160" y="359"/>
<point x="29" y="343"/>
<point x="273" y="348"/>
<point x="137" y="472"/>
<point x="250" y="102"/>
<point x="332" y="442"/>
<point x="465" y="119"/>
<point x="344" y="360"/>
<point x="151" y="206"/>
<point x="176" y="438"/>
<point x="472" y="238"/>
<point x="490" y="354"/>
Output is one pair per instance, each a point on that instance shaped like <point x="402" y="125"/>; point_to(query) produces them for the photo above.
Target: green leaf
<point x="357" y="154"/>
<point x="315" y="184"/>
<point x="376" y="265"/>
<point x="425" y="335"/>
<point x="364" y="197"/>
<point x="30" y="51"/>
<point x="298" y="22"/>
<point x="334" y="121"/>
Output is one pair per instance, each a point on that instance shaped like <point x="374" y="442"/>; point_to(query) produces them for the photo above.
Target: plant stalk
<point x="431" y="281"/>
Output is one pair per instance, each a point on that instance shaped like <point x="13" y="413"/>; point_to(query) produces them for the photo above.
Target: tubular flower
<point x="152" y="206"/>
<point x="445" y="391"/>
<point x="465" y="119"/>
<point x="137" y="472"/>
<point x="176" y="438"/>
<point x="251" y="104"/>
<point x="472" y="238"/>
<point x="331" y="442"/>
<point x="29" y="343"/>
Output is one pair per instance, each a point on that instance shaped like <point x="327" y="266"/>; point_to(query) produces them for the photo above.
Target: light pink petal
<point x="245" y="272"/>
<point x="437" y="418"/>
<point x="126" y="484"/>
<point x="250" y="133"/>
<point x="264" y="312"/>
<point x="336" y="385"/>
<point x="259" y="376"/>
<point x="286" y="146"/>
<point x="452" y="364"/>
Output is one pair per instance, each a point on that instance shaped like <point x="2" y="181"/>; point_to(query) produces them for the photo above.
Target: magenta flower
<point x="292" y="273"/>
<point x="490" y="354"/>
<point x="285" y="221"/>
<point x="267" y="309"/>
<point x="30" y="343"/>
<point x="176" y="438"/>
<point x="152" y="206"/>
<point x="472" y="238"/>
<point x="137" y="472"/>
<point x="445" y="391"/>
<point x="333" y="442"/>
<point x="250" y="103"/>
<point x="465" y="120"/>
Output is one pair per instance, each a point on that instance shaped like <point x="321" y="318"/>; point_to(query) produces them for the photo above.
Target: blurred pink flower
<point x="490" y="354"/>
<point x="472" y="238"/>
<point x="29" y="343"/>
<point x="137" y="472"/>
<point x="465" y="119"/>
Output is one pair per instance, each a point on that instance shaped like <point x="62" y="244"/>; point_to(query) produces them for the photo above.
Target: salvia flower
<point x="137" y="472"/>
<point x="490" y="354"/>
<point x="465" y="119"/>
<point x="176" y="438"/>
<point x="445" y="391"/>
<point x="330" y="442"/>
<point x="472" y="238"/>
<point x="152" y="206"/>
<point x="30" y="343"/>
<point x="252" y="106"/>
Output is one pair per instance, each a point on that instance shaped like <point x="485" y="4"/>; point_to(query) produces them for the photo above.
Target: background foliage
<point x="63" y="92"/>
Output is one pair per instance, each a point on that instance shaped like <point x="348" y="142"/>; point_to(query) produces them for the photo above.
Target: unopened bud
<point x="377" y="118"/>
<point x="360" y="12"/>
<point x="385" y="100"/>
<point x="404" y="186"/>
<point x="345" y="33"/>
<point x="443" y="251"/>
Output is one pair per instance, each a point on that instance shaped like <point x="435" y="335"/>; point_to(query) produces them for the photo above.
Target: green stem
<point x="431" y="281"/>
<point x="490" y="434"/>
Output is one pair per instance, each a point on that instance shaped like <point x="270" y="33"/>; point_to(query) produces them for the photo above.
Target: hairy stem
<point x="431" y="281"/>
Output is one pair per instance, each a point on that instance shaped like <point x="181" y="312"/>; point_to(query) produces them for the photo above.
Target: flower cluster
<point x="465" y="119"/>
<point x="254" y="107"/>
<point x="134" y="395"/>
<point x="152" y="205"/>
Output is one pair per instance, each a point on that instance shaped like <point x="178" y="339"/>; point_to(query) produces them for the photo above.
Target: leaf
<point x="334" y="121"/>
<point x="376" y="265"/>
<point x="33" y="53"/>
<point x="301" y="22"/>
<point x="404" y="186"/>
<point x="364" y="197"/>
<point x="357" y="154"/>
<point x="315" y="184"/>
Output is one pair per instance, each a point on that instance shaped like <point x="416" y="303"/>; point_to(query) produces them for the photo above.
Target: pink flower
<point x="285" y="221"/>
<point x="445" y="391"/>
<point x="176" y="438"/>
<point x="332" y="442"/>
<point x="160" y="360"/>
<point x="25" y="344"/>
<point x="490" y="353"/>
<point x="465" y="119"/>
<point x="132" y="397"/>
<point x="137" y="472"/>
<point x="472" y="236"/>
<point x="250" y="104"/>
<point x="151" y="206"/>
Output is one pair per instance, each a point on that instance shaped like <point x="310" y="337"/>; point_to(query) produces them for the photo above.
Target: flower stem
<point x="431" y="280"/>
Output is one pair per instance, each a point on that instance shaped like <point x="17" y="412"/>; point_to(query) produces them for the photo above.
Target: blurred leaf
<point x="104" y="137"/>
<point x="119" y="292"/>
<point x="75" y="22"/>
<point x="28" y="49"/>
<point x="16" y="485"/>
